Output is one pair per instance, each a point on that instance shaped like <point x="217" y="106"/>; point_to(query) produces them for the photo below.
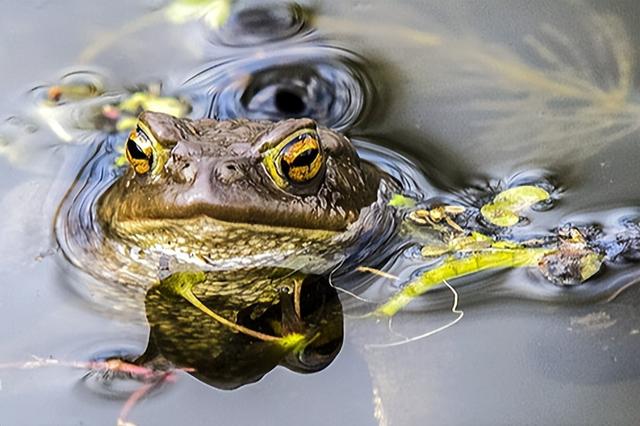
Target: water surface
<point x="473" y="93"/>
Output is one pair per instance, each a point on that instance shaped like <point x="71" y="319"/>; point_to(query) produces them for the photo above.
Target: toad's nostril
<point x="226" y="172"/>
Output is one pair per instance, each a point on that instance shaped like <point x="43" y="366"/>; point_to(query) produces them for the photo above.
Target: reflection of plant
<point x="564" y="93"/>
<point x="213" y="13"/>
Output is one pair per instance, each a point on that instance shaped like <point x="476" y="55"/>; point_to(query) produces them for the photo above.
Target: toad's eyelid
<point x="143" y="132"/>
<point x="278" y="145"/>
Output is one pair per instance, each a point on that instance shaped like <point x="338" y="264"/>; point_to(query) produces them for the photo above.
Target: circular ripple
<point x="256" y="25"/>
<point x="325" y="83"/>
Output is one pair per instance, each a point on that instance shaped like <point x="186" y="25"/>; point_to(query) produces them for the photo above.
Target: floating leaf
<point x="435" y="249"/>
<point x="214" y="12"/>
<point x="125" y="114"/>
<point x="126" y="123"/>
<point x="590" y="265"/>
<point x="505" y="208"/>
<point x="145" y="101"/>
<point x="400" y="201"/>
<point x="73" y="92"/>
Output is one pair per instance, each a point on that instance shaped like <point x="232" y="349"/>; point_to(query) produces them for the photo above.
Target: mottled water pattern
<point x="457" y="101"/>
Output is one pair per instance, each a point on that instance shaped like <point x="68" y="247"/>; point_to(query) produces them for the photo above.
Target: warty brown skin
<point x="215" y="169"/>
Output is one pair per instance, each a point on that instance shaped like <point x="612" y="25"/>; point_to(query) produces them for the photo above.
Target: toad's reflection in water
<point x="185" y="336"/>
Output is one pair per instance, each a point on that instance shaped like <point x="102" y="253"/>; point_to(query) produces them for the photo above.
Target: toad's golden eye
<point x="139" y="151"/>
<point x="297" y="161"/>
<point x="301" y="159"/>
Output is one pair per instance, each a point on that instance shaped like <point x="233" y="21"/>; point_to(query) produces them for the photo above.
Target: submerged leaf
<point x="453" y="267"/>
<point x="505" y="208"/>
<point x="467" y="243"/>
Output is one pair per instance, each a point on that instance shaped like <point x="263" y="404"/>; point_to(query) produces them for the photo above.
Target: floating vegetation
<point x="453" y="267"/>
<point x="107" y="371"/>
<point x="400" y="201"/>
<point x="436" y="215"/>
<point x="124" y="115"/>
<point x="505" y="208"/>
<point x="86" y="104"/>
<point x="574" y="261"/>
<point x="462" y="245"/>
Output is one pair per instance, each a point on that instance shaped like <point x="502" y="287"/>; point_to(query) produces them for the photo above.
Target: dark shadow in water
<point x="185" y="337"/>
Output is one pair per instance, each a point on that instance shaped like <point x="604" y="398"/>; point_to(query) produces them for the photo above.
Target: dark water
<point x="473" y="93"/>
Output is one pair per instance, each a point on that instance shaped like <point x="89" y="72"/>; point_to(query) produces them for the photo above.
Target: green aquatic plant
<point x="453" y="267"/>
<point x="564" y="259"/>
<point x="400" y="201"/>
<point x="128" y="109"/>
<point x="504" y="209"/>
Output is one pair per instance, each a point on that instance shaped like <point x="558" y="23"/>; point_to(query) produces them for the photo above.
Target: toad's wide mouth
<point x="129" y="213"/>
<point x="130" y="201"/>
<point x="204" y="229"/>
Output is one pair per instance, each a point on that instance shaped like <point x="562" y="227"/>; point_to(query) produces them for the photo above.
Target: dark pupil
<point x="304" y="159"/>
<point x="135" y="151"/>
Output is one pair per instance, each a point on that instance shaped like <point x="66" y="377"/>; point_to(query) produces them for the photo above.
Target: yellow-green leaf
<point x="505" y="208"/>
<point x="144" y="101"/>
<point x="126" y="123"/>
<point x="453" y="267"/>
<point x="589" y="265"/>
<point x="435" y="250"/>
<point x="214" y="12"/>
<point x="400" y="201"/>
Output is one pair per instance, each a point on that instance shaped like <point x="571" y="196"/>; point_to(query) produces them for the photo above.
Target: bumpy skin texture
<point x="212" y="204"/>
<point x="213" y="208"/>
<point x="215" y="169"/>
